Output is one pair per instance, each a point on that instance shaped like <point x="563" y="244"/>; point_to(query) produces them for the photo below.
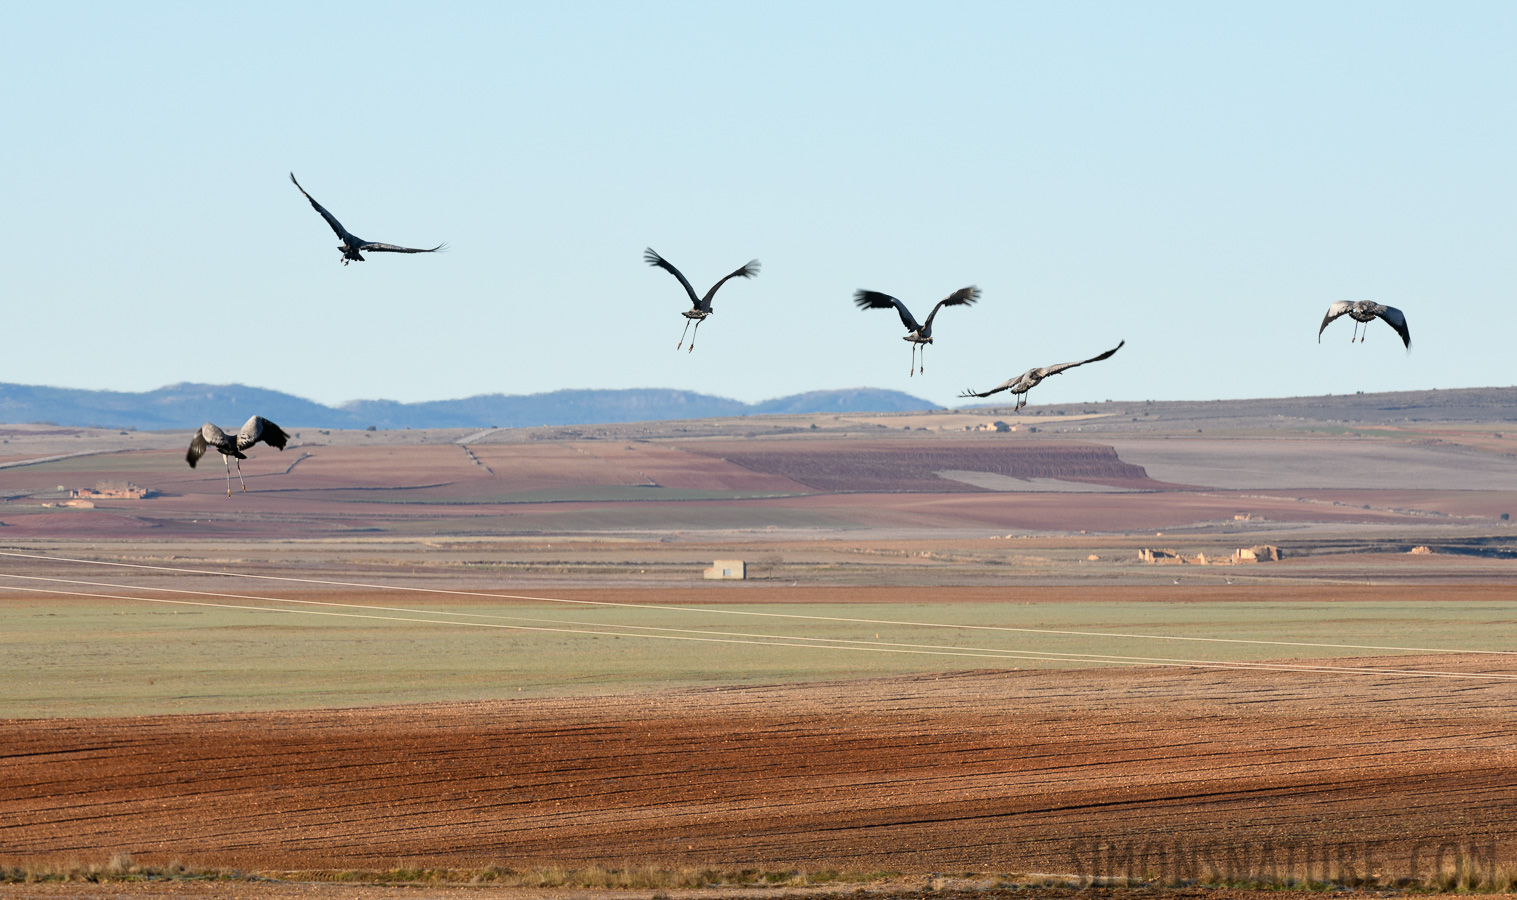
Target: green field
<point x="96" y="657"/>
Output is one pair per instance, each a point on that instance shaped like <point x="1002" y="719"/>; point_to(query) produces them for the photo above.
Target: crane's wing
<point x="1397" y="320"/>
<point x="377" y="247"/>
<point x="258" y="429"/>
<point x="1054" y="370"/>
<point x="749" y="270"/>
<point x="875" y="300"/>
<point x="274" y="436"/>
<point x="331" y="219"/>
<point x="961" y="297"/>
<point x="207" y="435"/>
<point x="653" y="259"/>
<point x="1333" y="312"/>
<point x="1010" y="382"/>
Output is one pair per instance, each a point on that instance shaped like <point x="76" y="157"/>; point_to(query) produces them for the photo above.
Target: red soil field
<point x="321" y="490"/>
<point x="1050" y="511"/>
<point x="609" y="462"/>
<point x="1490" y="504"/>
<point x="985" y="771"/>
<point x="466" y="507"/>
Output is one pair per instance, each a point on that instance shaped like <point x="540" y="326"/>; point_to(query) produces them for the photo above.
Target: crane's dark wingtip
<point x="651" y="257"/>
<point x="274" y="436"/>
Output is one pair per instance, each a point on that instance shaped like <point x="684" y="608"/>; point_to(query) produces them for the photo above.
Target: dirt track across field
<point x="988" y="771"/>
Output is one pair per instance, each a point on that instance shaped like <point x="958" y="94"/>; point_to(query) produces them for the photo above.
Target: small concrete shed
<point x="727" y="570"/>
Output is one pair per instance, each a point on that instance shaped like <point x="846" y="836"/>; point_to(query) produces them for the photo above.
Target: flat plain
<point x="493" y="651"/>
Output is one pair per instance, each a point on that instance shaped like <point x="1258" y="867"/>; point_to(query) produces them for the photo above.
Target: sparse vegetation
<point x="118" y="867"/>
<point x="121" y="867"/>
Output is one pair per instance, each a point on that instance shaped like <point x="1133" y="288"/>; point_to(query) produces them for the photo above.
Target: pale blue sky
<point x="1201" y="179"/>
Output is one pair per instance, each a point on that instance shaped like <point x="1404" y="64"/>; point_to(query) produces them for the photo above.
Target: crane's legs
<point x="682" y="336"/>
<point x="1351" y="337"/>
<point x="227" y="461"/>
<point x="922" y="360"/>
<point x="239" y="478"/>
<point x="912" y="369"/>
<point x="693" y="334"/>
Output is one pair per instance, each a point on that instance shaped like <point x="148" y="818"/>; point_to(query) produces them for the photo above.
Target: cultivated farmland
<point x="494" y="652"/>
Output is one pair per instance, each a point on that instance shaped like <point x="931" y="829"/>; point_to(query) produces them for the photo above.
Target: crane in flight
<point x="919" y="334"/>
<point x="352" y="244"/>
<point x="253" y="431"/>
<point x="700" y="307"/>
<point x="1034" y="377"/>
<point x="1367" y="311"/>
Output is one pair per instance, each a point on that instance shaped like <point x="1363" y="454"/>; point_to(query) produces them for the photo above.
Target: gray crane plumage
<point x="700" y="307"/>
<point x="919" y="334"/>
<point x="351" y="243"/>
<point x="1366" y="311"/>
<point x="1034" y="377"/>
<point x="254" y="430"/>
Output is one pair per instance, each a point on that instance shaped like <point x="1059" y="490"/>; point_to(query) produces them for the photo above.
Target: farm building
<point x="727" y="569"/>
<point x="1261" y="553"/>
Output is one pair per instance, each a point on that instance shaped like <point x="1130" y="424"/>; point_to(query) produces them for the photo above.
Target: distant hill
<point x="188" y="405"/>
<point x="852" y="400"/>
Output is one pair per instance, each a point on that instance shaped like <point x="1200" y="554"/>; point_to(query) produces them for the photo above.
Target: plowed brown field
<point x="1051" y="771"/>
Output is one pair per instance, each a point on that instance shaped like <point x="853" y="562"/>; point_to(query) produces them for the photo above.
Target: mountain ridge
<point x="188" y="404"/>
